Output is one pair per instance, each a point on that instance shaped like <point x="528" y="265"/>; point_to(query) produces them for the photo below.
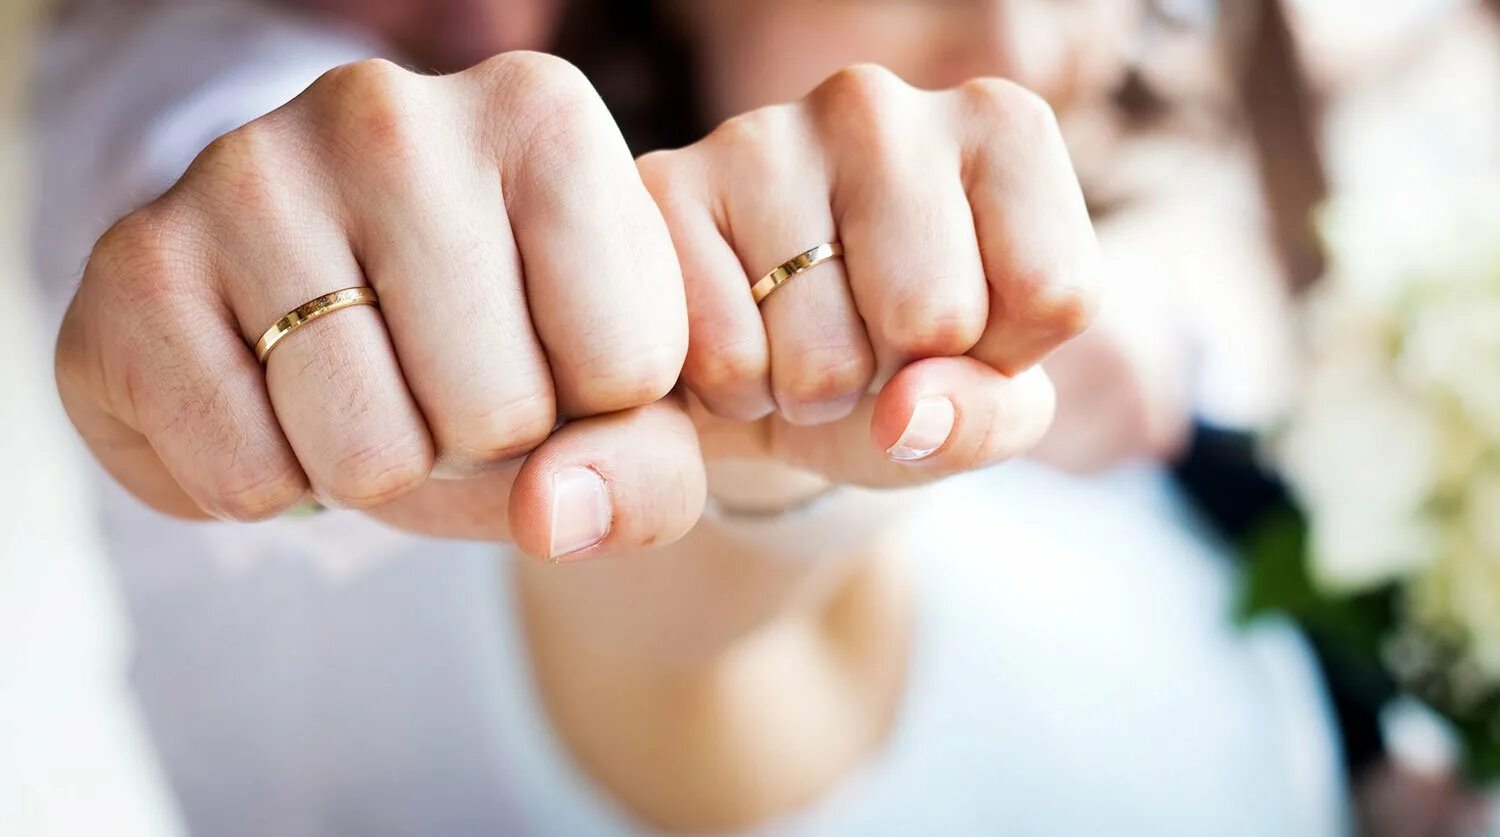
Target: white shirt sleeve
<point x="125" y="97"/>
<point x="73" y="758"/>
<point x="121" y="103"/>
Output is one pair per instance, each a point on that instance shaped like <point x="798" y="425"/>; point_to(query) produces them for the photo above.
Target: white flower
<point x="1460" y="592"/>
<point x="1363" y="457"/>
<point x="1482" y="510"/>
<point x="1451" y="347"/>
<point x="1394" y="449"/>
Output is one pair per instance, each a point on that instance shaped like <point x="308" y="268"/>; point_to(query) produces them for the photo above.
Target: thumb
<point x="956" y="414"/>
<point x="595" y="487"/>
<point x="935" y="417"/>
<point x="609" y="484"/>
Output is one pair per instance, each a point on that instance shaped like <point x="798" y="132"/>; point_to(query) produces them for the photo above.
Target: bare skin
<point x="698" y="733"/>
<point x="765" y="707"/>
<point x="528" y="272"/>
<point x="179" y="410"/>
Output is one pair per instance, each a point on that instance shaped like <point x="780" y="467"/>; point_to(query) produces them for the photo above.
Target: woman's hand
<point x="969" y="257"/>
<point x="524" y="275"/>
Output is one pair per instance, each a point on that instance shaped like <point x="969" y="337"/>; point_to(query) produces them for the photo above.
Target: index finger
<point x="1035" y="236"/>
<point x="602" y="278"/>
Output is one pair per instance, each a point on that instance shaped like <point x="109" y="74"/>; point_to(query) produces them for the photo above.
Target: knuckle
<point x="126" y="257"/>
<point x="1045" y="304"/>
<point x="963" y="451"/>
<point x="535" y="74"/>
<point x="933" y="327"/>
<point x="551" y="103"/>
<point x="373" y="111"/>
<point x="999" y="94"/>
<point x="242" y="174"/>
<point x="571" y="136"/>
<point x="863" y="105"/>
<point x="633" y="378"/>
<point x="373" y="80"/>
<point x="657" y="170"/>
<point x="757" y="139"/>
<point x="82" y="359"/>
<point x="257" y="494"/>
<point x="666" y="177"/>
<point x="123" y="246"/>
<point x="729" y="364"/>
<point x="374" y="473"/>
<point x="490" y="433"/>
<point x="139" y="262"/>
<point x="861" y="90"/>
<point x="1005" y="101"/>
<point x="978" y="455"/>
<point x="142" y="276"/>
<point x="827" y="375"/>
<point x="252" y="147"/>
<point x="748" y="129"/>
<point x="71" y="354"/>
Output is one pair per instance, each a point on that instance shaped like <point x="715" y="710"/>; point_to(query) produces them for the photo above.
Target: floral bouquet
<point x="1392" y="455"/>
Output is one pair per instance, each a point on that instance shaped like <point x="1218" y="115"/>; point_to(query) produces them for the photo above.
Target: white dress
<point x="1075" y="670"/>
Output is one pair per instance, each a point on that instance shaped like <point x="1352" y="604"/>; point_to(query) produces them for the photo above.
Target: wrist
<point x="774" y="511"/>
<point x="762" y="488"/>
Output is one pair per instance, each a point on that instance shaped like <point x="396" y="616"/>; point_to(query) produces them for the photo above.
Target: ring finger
<point x="336" y="385"/>
<point x="776" y="207"/>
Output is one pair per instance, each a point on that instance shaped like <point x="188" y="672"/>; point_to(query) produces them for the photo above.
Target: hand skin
<point x="770" y="661"/>
<point x="525" y="276"/>
<point x="750" y="685"/>
<point x="970" y="258"/>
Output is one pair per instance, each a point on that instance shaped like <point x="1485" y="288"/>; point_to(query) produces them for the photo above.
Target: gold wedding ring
<point x="306" y="313"/>
<point x="794" y="268"/>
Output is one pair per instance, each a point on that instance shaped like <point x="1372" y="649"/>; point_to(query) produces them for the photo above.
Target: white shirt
<point x="69" y="729"/>
<point x="1075" y="670"/>
<point x="1074" y="673"/>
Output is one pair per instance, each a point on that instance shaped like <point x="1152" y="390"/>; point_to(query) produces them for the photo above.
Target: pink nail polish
<point x="581" y="513"/>
<point x="931" y="422"/>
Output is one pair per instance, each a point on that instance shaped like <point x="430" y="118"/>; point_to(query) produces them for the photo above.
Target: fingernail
<point x="928" y="429"/>
<point x="580" y="512"/>
<point x="822" y="413"/>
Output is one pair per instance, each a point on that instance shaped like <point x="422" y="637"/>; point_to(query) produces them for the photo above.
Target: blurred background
<point x="1343" y="143"/>
<point x="74" y="758"/>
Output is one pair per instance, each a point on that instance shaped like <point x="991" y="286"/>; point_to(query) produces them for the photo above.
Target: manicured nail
<point x="928" y="429"/>
<point x="580" y="512"/>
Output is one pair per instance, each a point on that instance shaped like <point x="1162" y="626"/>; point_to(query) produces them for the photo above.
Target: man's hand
<point x="524" y="276"/>
<point x="970" y="256"/>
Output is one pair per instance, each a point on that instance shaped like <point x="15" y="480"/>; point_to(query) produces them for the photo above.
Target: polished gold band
<point x="306" y="313"/>
<point x="794" y="268"/>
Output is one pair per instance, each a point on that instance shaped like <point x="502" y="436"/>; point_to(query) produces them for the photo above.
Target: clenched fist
<point x="524" y="277"/>
<point x="969" y="256"/>
<point x="528" y="273"/>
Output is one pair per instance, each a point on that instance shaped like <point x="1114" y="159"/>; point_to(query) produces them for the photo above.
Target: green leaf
<point x="1481" y="750"/>
<point x="1278" y="579"/>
